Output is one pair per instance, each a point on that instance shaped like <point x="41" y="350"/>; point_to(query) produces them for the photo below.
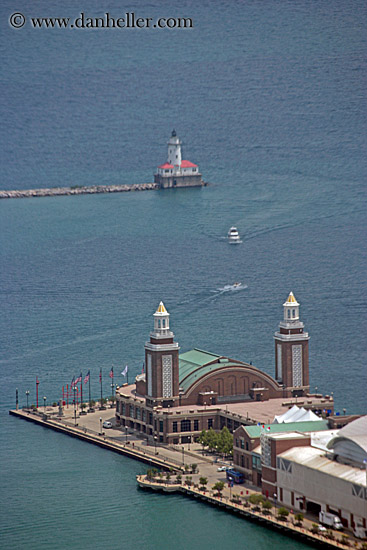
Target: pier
<point x="244" y="509"/>
<point x="188" y="460"/>
<point x="76" y="190"/>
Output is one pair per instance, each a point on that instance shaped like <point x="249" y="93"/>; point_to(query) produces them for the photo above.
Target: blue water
<point x="269" y="99"/>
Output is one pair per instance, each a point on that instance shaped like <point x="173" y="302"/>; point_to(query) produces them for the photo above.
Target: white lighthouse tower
<point x="174" y="151"/>
<point x="177" y="172"/>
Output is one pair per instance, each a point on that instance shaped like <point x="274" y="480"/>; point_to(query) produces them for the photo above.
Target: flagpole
<point x="81" y="389"/>
<point x="90" y="401"/>
<point x="100" y="379"/>
<point x="37" y="382"/>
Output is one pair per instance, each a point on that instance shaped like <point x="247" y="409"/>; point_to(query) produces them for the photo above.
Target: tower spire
<point x="291" y="351"/>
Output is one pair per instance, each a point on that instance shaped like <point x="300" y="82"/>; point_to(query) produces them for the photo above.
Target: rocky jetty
<point x="76" y="190"/>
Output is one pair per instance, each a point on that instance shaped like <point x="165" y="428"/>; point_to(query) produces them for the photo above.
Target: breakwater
<point x="76" y="190"/>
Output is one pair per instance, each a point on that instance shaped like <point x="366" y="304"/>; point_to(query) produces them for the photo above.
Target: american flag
<point x="72" y="382"/>
<point x="86" y="379"/>
<point x="79" y="379"/>
<point x="111" y="373"/>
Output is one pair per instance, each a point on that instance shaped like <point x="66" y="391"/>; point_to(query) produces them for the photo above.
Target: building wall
<point x="330" y="492"/>
<point x="156" y="362"/>
<point x="181" y="181"/>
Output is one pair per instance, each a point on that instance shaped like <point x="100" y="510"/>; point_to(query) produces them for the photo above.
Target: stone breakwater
<point x="86" y="190"/>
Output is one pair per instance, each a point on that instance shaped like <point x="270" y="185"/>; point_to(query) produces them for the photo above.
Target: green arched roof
<point x="196" y="363"/>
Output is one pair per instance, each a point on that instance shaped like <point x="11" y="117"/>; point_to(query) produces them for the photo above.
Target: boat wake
<point x="231" y="288"/>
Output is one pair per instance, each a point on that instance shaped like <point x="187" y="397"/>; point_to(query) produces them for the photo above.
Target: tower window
<point x="293" y="312"/>
<point x="164" y="323"/>
<point x="289" y="313"/>
<point x="159" y="323"/>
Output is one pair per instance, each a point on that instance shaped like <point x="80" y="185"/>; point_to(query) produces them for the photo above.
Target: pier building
<point x="179" y="395"/>
<point x="176" y="172"/>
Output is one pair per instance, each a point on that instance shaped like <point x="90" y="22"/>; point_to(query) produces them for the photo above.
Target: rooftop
<point x="317" y="460"/>
<point x="310" y="426"/>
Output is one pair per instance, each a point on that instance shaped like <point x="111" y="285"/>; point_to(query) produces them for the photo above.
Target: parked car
<point x="322" y="529"/>
<point x="221" y="469"/>
<point x="107" y="424"/>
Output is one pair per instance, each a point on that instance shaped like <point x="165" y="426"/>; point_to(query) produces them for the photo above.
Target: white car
<point x="107" y="424"/>
<point x="222" y="469"/>
<point x="322" y="529"/>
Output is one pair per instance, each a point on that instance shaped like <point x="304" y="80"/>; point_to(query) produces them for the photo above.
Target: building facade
<point x="179" y="395"/>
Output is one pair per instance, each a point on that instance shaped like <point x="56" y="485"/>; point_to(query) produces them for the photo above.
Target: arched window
<point x="293" y="312"/>
<point x="289" y="313"/>
<point x="159" y="323"/>
<point x="164" y="323"/>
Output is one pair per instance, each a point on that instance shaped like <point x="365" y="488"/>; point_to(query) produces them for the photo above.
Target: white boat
<point x="233" y="236"/>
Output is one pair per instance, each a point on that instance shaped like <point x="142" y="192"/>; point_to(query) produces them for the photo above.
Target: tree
<point x="266" y="505"/>
<point x="299" y="519"/>
<point x="202" y="439"/>
<point x="256" y="499"/>
<point x="283" y="513"/>
<point x="212" y="438"/>
<point x="194" y="467"/>
<point x="178" y="478"/>
<point x="225" y="441"/>
<point x="218" y="487"/>
<point x="203" y="482"/>
<point x="168" y="476"/>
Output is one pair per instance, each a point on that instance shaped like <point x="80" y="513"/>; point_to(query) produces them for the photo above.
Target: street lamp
<point x="74" y="388"/>
<point x="155" y="444"/>
<point x="183" y="455"/>
<point x="189" y="441"/>
<point x="44" y="403"/>
<point x="27" y="394"/>
<point x="100" y="426"/>
<point x="125" y="435"/>
<point x="275" y="503"/>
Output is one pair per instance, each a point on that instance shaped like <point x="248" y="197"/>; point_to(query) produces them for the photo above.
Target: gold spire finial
<point x="161" y="308"/>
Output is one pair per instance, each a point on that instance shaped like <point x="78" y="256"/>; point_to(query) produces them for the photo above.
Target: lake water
<point x="269" y="99"/>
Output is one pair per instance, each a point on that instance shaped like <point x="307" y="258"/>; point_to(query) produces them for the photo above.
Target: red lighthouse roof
<point x="165" y="166"/>
<point x="188" y="164"/>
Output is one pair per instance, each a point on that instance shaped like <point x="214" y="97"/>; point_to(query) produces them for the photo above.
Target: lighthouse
<point x="176" y="172"/>
<point x="291" y="351"/>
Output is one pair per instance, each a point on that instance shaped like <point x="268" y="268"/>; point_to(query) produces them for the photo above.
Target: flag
<point x="142" y="370"/>
<point x="100" y="376"/>
<point x="72" y="382"/>
<point x="125" y="371"/>
<point x="79" y="379"/>
<point x="268" y="428"/>
<point x="86" y="379"/>
<point x="111" y="372"/>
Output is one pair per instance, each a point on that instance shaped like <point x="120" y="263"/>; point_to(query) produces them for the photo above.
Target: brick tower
<point x="161" y="359"/>
<point x="291" y="351"/>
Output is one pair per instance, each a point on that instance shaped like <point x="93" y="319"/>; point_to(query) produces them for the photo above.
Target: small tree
<point x="218" y="487"/>
<point x="267" y="506"/>
<point x="256" y="499"/>
<point x="168" y="476"/>
<point x="299" y="519"/>
<point x="178" y="478"/>
<point x="345" y="540"/>
<point x="194" y="468"/>
<point x="314" y="528"/>
<point x="203" y="482"/>
<point x="283" y="513"/>
<point x="188" y="480"/>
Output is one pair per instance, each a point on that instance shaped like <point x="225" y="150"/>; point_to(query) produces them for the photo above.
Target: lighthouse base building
<point x="179" y="395"/>
<point x="176" y="172"/>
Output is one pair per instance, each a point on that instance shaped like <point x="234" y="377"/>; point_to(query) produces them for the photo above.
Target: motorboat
<point x="233" y="236"/>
